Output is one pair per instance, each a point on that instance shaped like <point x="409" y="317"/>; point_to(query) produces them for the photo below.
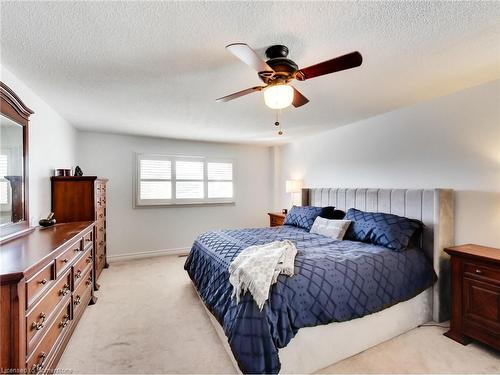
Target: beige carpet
<point x="148" y="319"/>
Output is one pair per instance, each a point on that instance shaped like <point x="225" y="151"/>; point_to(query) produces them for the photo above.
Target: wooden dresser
<point x="80" y="199"/>
<point x="46" y="282"/>
<point x="475" y="294"/>
<point x="276" y="219"/>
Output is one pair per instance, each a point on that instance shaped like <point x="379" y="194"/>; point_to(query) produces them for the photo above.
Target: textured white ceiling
<point x="155" y="68"/>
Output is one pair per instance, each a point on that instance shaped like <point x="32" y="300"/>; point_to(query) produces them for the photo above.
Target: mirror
<point x="14" y="118"/>
<point x="11" y="172"/>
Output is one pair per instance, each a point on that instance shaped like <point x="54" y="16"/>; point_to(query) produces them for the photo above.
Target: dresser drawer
<point x="39" y="283"/>
<point x="39" y="358"/>
<point x="481" y="271"/>
<point x="101" y="251"/>
<point x="82" y="293"/>
<point x="38" y="317"/>
<point x="100" y="214"/>
<point x="64" y="260"/>
<point x="100" y="188"/>
<point x="81" y="267"/>
<point x="87" y="239"/>
<point x="101" y="258"/>
<point x="100" y="261"/>
<point x="100" y="229"/>
<point x="101" y="201"/>
<point x="100" y="239"/>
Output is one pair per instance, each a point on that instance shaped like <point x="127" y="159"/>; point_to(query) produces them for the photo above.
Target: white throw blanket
<point x="256" y="268"/>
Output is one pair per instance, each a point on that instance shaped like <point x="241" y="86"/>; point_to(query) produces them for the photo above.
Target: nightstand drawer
<point x="482" y="272"/>
<point x="482" y="305"/>
<point x="276" y="219"/>
<point x="276" y="222"/>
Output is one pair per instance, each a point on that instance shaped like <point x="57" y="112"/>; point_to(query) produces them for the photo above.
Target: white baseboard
<point x="147" y="254"/>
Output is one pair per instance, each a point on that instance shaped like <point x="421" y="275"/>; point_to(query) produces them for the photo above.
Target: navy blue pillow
<point x="338" y="215"/>
<point x="388" y="230"/>
<point x="327" y="212"/>
<point x="302" y="216"/>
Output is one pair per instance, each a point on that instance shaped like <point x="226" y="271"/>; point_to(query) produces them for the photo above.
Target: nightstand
<point x="475" y="294"/>
<point x="276" y="219"/>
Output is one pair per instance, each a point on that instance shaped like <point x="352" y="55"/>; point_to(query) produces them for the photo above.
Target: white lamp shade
<point x="278" y="96"/>
<point x="293" y="186"/>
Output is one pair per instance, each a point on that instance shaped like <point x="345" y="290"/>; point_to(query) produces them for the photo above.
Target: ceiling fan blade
<point x="351" y="60"/>
<point x="298" y="98"/>
<point x="246" y="54"/>
<point x="240" y="93"/>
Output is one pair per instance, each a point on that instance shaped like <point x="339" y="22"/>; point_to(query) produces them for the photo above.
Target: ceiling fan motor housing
<point x="283" y="67"/>
<point x="277" y="50"/>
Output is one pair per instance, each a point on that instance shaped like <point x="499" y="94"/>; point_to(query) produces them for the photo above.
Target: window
<point x="4" y="184"/>
<point x="170" y="180"/>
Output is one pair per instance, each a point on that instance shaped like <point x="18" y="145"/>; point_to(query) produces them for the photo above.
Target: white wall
<point x="132" y="230"/>
<point x="52" y="145"/>
<point x="449" y="142"/>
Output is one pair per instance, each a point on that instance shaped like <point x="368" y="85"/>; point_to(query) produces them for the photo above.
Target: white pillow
<point x="330" y="228"/>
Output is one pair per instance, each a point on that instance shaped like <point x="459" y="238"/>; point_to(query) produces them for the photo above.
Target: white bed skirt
<point x="314" y="348"/>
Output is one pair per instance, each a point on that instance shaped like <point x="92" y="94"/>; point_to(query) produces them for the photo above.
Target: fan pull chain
<point x="278" y="123"/>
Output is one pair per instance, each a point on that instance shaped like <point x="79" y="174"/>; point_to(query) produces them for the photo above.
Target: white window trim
<point x="181" y="201"/>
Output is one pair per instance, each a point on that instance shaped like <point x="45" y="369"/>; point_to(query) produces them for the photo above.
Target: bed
<point x="341" y="289"/>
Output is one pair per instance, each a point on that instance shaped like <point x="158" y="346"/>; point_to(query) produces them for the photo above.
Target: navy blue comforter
<point x="334" y="281"/>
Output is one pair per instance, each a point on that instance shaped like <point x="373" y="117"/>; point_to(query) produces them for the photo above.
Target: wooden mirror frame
<point x="13" y="108"/>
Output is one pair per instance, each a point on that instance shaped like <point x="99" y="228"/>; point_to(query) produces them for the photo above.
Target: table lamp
<point x="293" y="187"/>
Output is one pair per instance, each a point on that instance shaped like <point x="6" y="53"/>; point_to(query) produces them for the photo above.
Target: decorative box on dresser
<point x="46" y="280"/>
<point x="475" y="294"/>
<point x="79" y="199"/>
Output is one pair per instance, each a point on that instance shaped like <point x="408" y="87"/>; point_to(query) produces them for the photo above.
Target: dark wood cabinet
<point x="276" y="219"/>
<point x="46" y="282"/>
<point x="79" y="199"/>
<point x="475" y="294"/>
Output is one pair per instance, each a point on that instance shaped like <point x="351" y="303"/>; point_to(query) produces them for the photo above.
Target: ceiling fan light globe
<point x="278" y="96"/>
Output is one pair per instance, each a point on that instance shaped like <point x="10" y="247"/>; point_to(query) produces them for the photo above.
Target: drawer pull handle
<point x="101" y="256"/>
<point x="101" y="243"/>
<point x="40" y="324"/>
<point x="37" y="367"/>
<point x="78" y="274"/>
<point x="101" y="216"/>
<point x="89" y="259"/>
<point x="64" y="323"/>
<point x="478" y="271"/>
<point x="65" y="290"/>
<point x="43" y="281"/>
<point x="89" y="280"/>
<point x="101" y="229"/>
<point x="65" y="260"/>
<point x="77" y="300"/>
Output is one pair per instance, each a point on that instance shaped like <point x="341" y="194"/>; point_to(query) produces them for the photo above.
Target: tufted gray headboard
<point x="434" y="207"/>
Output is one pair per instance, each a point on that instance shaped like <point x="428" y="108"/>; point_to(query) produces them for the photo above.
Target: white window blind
<point x="170" y="180"/>
<point x="4" y="184"/>
<point x="220" y="179"/>
<point x="189" y="179"/>
<point x="155" y="179"/>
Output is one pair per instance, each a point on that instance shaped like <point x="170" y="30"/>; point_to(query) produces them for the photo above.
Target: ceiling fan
<point x="278" y="71"/>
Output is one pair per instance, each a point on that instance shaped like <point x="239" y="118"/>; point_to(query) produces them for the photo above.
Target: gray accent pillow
<point x="335" y="229"/>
